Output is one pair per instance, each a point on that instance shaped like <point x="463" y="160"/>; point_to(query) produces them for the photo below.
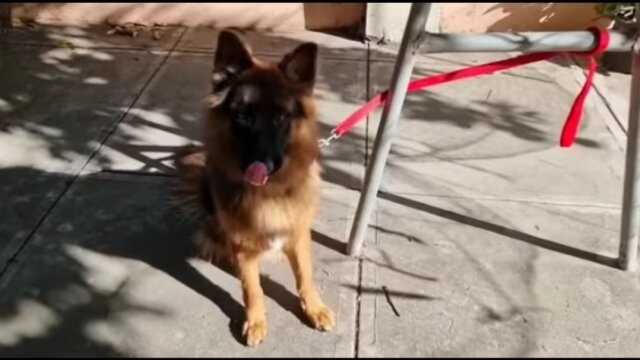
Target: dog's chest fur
<point x="265" y="219"/>
<point x="274" y="251"/>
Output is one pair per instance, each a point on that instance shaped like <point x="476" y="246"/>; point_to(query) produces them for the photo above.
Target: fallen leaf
<point x="66" y="45"/>
<point x="16" y="22"/>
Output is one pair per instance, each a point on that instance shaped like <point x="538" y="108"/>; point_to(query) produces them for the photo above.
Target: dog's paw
<point x="255" y="331"/>
<point x="321" y="317"/>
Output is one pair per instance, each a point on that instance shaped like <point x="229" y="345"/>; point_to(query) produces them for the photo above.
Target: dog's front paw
<point x="321" y="317"/>
<point x="255" y="331"/>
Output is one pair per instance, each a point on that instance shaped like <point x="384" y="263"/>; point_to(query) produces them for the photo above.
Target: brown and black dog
<point x="256" y="179"/>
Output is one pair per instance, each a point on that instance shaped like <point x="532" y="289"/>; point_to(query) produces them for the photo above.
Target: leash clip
<point x="327" y="141"/>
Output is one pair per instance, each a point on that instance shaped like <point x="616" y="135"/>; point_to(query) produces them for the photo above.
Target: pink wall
<point x="454" y="17"/>
<point x="483" y="17"/>
<point x="265" y="16"/>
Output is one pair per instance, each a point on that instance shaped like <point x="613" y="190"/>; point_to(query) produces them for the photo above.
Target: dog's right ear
<point x="232" y="58"/>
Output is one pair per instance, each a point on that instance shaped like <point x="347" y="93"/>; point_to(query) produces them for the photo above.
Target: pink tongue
<point x="257" y="174"/>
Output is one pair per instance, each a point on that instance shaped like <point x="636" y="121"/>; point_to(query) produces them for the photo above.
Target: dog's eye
<point x="298" y="110"/>
<point x="243" y="118"/>
<point x="282" y="119"/>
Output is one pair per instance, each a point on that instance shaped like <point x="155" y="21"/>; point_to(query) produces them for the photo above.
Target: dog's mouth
<point x="257" y="174"/>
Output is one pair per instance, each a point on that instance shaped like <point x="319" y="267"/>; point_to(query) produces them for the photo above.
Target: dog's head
<point x="264" y="110"/>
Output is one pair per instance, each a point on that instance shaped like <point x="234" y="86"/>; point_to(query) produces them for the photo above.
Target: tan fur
<point x="246" y="219"/>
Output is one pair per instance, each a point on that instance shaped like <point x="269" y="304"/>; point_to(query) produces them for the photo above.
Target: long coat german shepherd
<point x="256" y="178"/>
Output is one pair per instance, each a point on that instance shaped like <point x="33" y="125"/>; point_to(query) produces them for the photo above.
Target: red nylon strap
<point x="570" y="128"/>
<point x="573" y="120"/>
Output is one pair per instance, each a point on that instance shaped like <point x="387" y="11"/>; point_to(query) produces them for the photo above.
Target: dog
<point x="255" y="181"/>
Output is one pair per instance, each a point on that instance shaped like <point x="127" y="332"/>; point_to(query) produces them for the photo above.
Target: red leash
<point x="573" y="119"/>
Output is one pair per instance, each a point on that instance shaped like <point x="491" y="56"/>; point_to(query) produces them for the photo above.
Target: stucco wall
<point x="452" y="17"/>
<point x="483" y="17"/>
<point x="265" y="16"/>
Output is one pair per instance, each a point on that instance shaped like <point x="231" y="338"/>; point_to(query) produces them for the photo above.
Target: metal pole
<point x="628" y="255"/>
<point x="411" y="40"/>
<point x="5" y="15"/>
<point x="523" y="42"/>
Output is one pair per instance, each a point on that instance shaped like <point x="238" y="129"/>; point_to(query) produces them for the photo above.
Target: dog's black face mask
<point x="261" y="104"/>
<point x="260" y="124"/>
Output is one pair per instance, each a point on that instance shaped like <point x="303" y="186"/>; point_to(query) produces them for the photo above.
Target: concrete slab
<point x="164" y="119"/>
<point x="461" y="277"/>
<point x="57" y="104"/>
<point x="201" y="39"/>
<point x="497" y="137"/>
<point x="26" y="196"/>
<point x="90" y="37"/>
<point x="119" y="281"/>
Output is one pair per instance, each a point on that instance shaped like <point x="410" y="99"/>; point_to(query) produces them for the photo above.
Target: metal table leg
<point x="630" y="228"/>
<point x="411" y="40"/>
<point x="5" y="16"/>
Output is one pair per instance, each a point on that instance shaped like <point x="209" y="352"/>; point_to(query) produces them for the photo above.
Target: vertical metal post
<point x="5" y="15"/>
<point x="630" y="228"/>
<point x="411" y="40"/>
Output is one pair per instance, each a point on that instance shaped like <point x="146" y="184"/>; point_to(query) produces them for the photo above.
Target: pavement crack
<point x="358" y="310"/>
<point x="597" y="343"/>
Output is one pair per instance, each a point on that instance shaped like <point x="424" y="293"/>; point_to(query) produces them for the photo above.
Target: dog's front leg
<point x="255" y="326"/>
<point x="298" y="251"/>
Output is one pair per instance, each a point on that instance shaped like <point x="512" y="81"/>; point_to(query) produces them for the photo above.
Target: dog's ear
<point x="300" y="64"/>
<point x="232" y="58"/>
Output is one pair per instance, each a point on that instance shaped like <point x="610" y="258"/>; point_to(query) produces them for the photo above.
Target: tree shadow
<point x="501" y="309"/>
<point x="122" y="229"/>
<point x="501" y="230"/>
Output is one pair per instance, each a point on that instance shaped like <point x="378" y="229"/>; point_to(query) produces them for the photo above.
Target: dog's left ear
<point x="233" y="57"/>
<point x="300" y="64"/>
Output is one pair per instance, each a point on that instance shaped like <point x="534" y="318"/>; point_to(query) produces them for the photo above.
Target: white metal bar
<point x="523" y="42"/>
<point x="411" y="41"/>
<point x="631" y="194"/>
